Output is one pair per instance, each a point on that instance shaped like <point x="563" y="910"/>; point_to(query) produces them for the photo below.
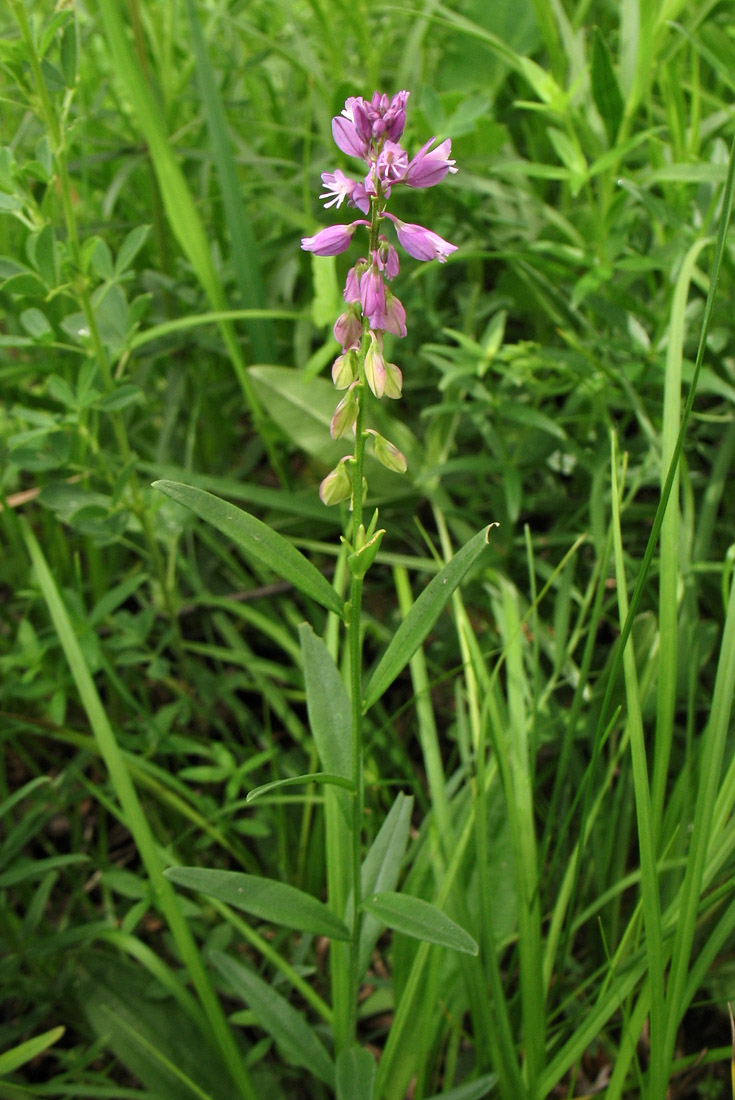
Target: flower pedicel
<point x="370" y="131"/>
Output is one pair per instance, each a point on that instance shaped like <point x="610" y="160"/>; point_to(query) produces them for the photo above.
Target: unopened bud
<point x="387" y="453"/>
<point x="345" y="414"/>
<point x="345" y="370"/>
<point x="337" y="485"/>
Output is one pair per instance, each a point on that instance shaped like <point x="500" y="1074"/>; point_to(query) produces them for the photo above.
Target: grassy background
<point x="572" y="802"/>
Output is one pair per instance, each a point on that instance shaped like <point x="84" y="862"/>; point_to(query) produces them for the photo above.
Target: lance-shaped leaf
<point x="295" y="1037"/>
<point x="381" y="869"/>
<point x="265" y="898"/>
<point x="422" y="616"/>
<point x="418" y="918"/>
<point x="257" y="540"/>
<point x="355" y="1074"/>
<point x="328" y="704"/>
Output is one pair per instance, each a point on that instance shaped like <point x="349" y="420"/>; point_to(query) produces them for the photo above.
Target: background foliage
<point x="160" y="162"/>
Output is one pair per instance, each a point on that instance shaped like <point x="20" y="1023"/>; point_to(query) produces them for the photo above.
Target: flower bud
<point x="393" y="381"/>
<point x="337" y="485"/>
<point x="345" y="370"/>
<point x="348" y="328"/>
<point x="387" y="453"/>
<point x="345" y="414"/>
<point x="375" y="367"/>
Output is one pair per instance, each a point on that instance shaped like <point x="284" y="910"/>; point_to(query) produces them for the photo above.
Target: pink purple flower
<point x="387" y="258"/>
<point x="372" y="297"/>
<point x="421" y="243"/>
<point x="332" y="240"/>
<point x="348" y="328"/>
<point x="395" y="315"/>
<point x="392" y="163"/>
<point x="338" y="188"/>
<point x="429" y="166"/>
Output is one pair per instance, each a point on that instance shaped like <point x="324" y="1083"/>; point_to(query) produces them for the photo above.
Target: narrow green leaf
<point x="328" y="704"/>
<point x="296" y="1039"/>
<point x="18" y="1056"/>
<point x="472" y="1090"/>
<point x="136" y="819"/>
<point x="605" y="89"/>
<point x="130" y="247"/>
<point x="265" y="898"/>
<point x="299" y="781"/>
<point x="257" y="540"/>
<point x="422" y="616"/>
<point x="244" y="247"/>
<point x="418" y="918"/>
<point x="381" y="868"/>
<point x="355" y="1074"/>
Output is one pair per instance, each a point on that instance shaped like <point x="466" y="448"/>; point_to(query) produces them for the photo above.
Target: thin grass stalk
<point x="709" y="768"/>
<point x="485" y="1042"/>
<point x="137" y="822"/>
<point x="646" y="831"/>
<point x="244" y="249"/>
<point x="669" y="553"/>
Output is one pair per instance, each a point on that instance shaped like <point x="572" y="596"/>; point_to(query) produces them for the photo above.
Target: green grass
<point x="553" y="767"/>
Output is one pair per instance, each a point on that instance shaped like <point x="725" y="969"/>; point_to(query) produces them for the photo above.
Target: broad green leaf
<point x="328" y="704"/>
<point x="18" y="1056"/>
<point x="301" y="407"/>
<point x="605" y="89"/>
<point x="324" y="778"/>
<point x="382" y="867"/>
<point x="265" y="898"/>
<point x="355" y="1074"/>
<point x="295" y="1037"/>
<point x="418" y="918"/>
<point x="422" y="616"/>
<point x="166" y="1049"/>
<point x="257" y="540"/>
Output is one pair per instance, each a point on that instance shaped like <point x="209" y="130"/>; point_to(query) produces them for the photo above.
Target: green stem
<point x="354" y="645"/>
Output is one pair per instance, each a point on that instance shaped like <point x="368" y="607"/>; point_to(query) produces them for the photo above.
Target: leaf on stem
<point x="420" y="919"/>
<point x="257" y="540"/>
<point x="422" y="616"/>
<point x="264" y="898"/>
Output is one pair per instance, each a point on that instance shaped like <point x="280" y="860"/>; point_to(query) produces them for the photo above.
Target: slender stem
<point x="355" y="649"/>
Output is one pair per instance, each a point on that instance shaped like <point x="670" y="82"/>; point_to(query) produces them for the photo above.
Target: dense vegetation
<point x="559" y="752"/>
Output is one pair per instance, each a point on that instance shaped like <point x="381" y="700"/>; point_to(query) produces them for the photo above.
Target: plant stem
<point x="354" y="642"/>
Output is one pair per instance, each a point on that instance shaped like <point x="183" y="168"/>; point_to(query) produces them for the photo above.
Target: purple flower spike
<point x="372" y="296"/>
<point x="430" y="166"/>
<point x="332" y="240"/>
<point x="421" y="243"/>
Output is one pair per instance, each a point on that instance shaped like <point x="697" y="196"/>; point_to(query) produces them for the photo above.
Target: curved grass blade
<point x="265" y="898"/>
<point x="422" y="616"/>
<point x="257" y="540"/>
<point x="299" y="781"/>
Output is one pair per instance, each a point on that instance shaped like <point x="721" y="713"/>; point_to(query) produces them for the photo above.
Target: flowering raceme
<point x="370" y="131"/>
